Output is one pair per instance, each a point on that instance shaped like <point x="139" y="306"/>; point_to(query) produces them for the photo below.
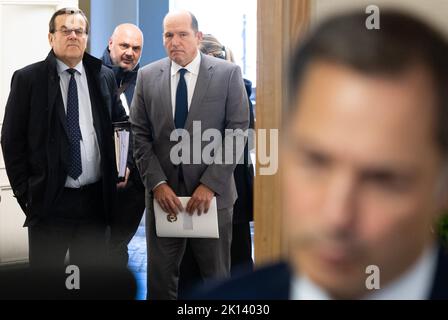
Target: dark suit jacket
<point x="243" y="210"/>
<point x="34" y="135"/>
<point x="274" y="283"/>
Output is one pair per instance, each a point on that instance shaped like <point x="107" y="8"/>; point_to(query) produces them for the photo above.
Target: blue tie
<point x="75" y="167"/>
<point x="181" y="113"/>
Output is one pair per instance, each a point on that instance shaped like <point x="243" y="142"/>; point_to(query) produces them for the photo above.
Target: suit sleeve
<point x="146" y="160"/>
<point x="216" y="176"/>
<point x="14" y="137"/>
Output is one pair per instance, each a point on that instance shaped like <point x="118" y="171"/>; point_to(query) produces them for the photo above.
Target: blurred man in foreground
<point x="365" y="166"/>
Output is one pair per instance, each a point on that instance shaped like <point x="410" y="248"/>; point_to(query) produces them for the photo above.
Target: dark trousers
<point x="241" y="250"/>
<point x="126" y="216"/>
<point x="77" y="225"/>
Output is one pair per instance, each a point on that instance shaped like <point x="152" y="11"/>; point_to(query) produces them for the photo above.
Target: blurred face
<point x="362" y="176"/>
<point x="125" y="47"/>
<point x="69" y="48"/>
<point x="180" y="41"/>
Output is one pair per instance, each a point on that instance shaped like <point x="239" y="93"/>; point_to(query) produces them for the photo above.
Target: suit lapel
<point x="55" y="102"/>
<point x="204" y="77"/>
<point x="165" y="92"/>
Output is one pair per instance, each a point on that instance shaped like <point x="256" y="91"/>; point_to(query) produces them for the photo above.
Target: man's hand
<point x="200" y="200"/>
<point x="123" y="184"/>
<point x="167" y="199"/>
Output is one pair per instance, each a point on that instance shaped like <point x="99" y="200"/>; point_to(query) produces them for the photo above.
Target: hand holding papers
<point x="185" y="226"/>
<point x="121" y="135"/>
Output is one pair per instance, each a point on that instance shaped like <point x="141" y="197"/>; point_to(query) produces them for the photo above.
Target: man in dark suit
<point x="57" y="143"/>
<point x="170" y="95"/>
<point x="365" y="166"/>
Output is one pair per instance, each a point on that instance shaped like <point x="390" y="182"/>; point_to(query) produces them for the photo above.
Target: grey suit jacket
<point x="219" y="102"/>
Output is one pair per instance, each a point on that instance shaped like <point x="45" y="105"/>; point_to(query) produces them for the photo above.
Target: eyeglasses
<point x="67" y="32"/>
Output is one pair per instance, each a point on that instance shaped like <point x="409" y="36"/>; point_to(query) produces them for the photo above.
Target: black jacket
<point x="34" y="134"/>
<point x="274" y="283"/>
<point x="127" y="79"/>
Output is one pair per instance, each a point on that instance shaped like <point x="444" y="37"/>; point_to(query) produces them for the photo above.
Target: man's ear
<point x="50" y="39"/>
<point x="200" y="36"/>
<point x="110" y="44"/>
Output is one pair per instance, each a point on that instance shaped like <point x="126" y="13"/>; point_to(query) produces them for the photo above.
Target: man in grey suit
<point x="176" y="94"/>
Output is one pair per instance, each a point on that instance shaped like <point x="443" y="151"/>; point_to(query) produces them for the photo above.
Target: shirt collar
<point x="192" y="67"/>
<point x="62" y="67"/>
<point x="415" y="284"/>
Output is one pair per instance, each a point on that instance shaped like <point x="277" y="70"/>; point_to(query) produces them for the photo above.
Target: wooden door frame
<point x="281" y="23"/>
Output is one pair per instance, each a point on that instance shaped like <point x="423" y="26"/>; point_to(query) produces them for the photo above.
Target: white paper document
<point x="121" y="149"/>
<point x="186" y="226"/>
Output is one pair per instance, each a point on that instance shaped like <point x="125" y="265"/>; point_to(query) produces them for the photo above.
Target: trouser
<point x="241" y="251"/>
<point x="165" y="255"/>
<point x="127" y="213"/>
<point x="76" y="224"/>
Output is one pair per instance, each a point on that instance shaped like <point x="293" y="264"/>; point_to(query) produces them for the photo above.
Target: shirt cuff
<point x="159" y="184"/>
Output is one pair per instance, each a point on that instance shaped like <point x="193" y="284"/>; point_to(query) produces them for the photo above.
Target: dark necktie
<point x="181" y="113"/>
<point x="75" y="167"/>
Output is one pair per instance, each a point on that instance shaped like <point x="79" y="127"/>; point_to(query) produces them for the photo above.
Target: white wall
<point x="224" y="19"/>
<point x="23" y="40"/>
<point x="433" y="12"/>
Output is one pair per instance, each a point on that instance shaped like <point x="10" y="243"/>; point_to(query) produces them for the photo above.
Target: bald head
<point x="183" y="15"/>
<point x="181" y="37"/>
<point x="125" y="46"/>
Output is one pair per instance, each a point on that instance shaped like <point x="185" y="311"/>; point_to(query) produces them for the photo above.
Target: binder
<point x="122" y="132"/>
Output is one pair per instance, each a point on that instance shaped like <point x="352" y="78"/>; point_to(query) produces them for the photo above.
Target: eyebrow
<point x="128" y="44"/>
<point x="65" y="27"/>
<point x="381" y="167"/>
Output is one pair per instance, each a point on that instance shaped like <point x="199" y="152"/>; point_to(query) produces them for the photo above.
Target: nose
<point x="129" y="52"/>
<point x="175" y="40"/>
<point x="72" y="34"/>
<point x="339" y="205"/>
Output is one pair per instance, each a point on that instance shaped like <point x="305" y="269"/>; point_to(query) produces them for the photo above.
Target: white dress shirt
<point x="90" y="151"/>
<point x="415" y="284"/>
<point x="191" y="78"/>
